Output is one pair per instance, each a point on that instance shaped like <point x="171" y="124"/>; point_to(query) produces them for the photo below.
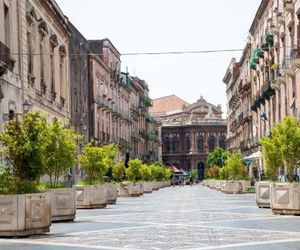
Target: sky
<point x="170" y="25"/>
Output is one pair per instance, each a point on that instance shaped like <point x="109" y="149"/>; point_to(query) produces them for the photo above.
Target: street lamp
<point x="11" y="115"/>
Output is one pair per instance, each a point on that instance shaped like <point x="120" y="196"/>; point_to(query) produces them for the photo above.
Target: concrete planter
<point x="130" y="189"/>
<point x="218" y="185"/>
<point x="285" y="198"/>
<point x="155" y="185"/>
<point x="111" y="189"/>
<point x="263" y="190"/>
<point x="63" y="204"/>
<point x="244" y="184"/>
<point x="231" y="187"/>
<point x="91" y="196"/>
<point x="148" y="187"/>
<point x="24" y="215"/>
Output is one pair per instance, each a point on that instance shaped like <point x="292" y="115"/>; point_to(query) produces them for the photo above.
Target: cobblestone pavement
<point x="172" y="218"/>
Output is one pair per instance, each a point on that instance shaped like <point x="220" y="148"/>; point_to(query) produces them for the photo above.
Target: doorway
<point x="201" y="171"/>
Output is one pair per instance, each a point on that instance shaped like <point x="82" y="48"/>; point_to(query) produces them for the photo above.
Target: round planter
<point x="91" y="196"/>
<point x="63" y="204"/>
<point x="24" y="215"/>
<point x="111" y="189"/>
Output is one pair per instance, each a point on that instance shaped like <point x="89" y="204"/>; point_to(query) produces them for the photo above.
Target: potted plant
<point x="158" y="175"/>
<point x="146" y="176"/>
<point x="26" y="209"/>
<point x="286" y="139"/>
<point x="59" y="156"/>
<point x="118" y="172"/>
<point x="167" y="176"/>
<point x="91" y="191"/>
<point x="111" y="151"/>
<point x="133" y="187"/>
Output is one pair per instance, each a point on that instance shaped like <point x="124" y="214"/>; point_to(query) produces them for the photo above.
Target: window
<point x="200" y="144"/>
<point x="166" y="145"/>
<point x="6" y="26"/>
<point x="187" y="144"/>
<point x="211" y="143"/>
<point x="42" y="72"/>
<point x="175" y="145"/>
<point x="222" y="142"/>
<point x="53" y="93"/>
<point x="30" y="56"/>
<point x="62" y="79"/>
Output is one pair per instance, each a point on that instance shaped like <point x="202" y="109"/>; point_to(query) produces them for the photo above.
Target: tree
<point x="95" y="162"/>
<point x="145" y="172"/>
<point x="111" y="151"/>
<point x="286" y="136"/>
<point x="133" y="170"/>
<point x="157" y="172"/>
<point x="59" y="151"/>
<point x="272" y="156"/>
<point x="118" y="171"/>
<point x="25" y="143"/>
<point x="234" y="167"/>
<point x="217" y="157"/>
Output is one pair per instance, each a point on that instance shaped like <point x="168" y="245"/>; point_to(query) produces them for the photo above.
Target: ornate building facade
<point x="189" y="133"/>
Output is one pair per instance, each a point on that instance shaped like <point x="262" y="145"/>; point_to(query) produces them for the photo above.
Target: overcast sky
<point x="170" y="25"/>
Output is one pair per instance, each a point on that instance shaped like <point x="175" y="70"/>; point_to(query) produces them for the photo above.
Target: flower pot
<point x="112" y="195"/>
<point x="25" y="214"/>
<point x="285" y="198"/>
<point x="148" y="187"/>
<point x="91" y="196"/>
<point x="63" y="204"/>
<point x="130" y="189"/>
<point x="263" y="190"/>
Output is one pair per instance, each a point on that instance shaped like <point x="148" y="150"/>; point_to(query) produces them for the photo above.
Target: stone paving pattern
<point x="171" y="218"/>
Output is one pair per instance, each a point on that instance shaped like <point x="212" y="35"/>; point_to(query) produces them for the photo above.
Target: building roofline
<point x="262" y="7"/>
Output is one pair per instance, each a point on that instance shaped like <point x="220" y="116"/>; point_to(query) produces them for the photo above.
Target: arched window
<point x="175" y="145"/>
<point x="211" y="143"/>
<point x="187" y="144"/>
<point x="222" y="142"/>
<point x="200" y="143"/>
<point x="166" y="145"/>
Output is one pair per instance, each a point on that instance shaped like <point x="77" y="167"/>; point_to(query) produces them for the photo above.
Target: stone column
<point x="192" y="138"/>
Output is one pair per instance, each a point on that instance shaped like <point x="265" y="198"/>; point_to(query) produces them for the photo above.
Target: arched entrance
<point x="201" y="171"/>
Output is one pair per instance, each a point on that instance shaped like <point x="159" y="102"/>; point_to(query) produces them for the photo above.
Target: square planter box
<point x="24" y="215"/>
<point x="263" y="191"/>
<point x="112" y="195"/>
<point x="155" y="185"/>
<point x="285" y="198"/>
<point x="231" y="187"/>
<point x="218" y="185"/>
<point x="91" y="196"/>
<point x="244" y="184"/>
<point x="63" y="204"/>
<point x="148" y="187"/>
<point x="130" y="189"/>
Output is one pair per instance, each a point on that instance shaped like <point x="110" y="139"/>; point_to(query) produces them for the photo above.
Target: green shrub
<point x="145" y="172"/>
<point x="133" y="170"/>
<point x="213" y="172"/>
<point x="234" y="168"/>
<point x="118" y="171"/>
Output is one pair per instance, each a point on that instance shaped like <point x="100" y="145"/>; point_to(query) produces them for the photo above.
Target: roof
<point x="167" y="104"/>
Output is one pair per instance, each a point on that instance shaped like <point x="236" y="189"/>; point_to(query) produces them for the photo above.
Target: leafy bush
<point x="59" y="152"/>
<point x="217" y="158"/>
<point x="118" y="171"/>
<point x="133" y="170"/>
<point x="223" y="173"/>
<point x="145" y="172"/>
<point x="234" y="167"/>
<point x="25" y="142"/>
<point x="213" y="172"/>
<point x="157" y="172"/>
<point x="95" y="161"/>
<point x="167" y="173"/>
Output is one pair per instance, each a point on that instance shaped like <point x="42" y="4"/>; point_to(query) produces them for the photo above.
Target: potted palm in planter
<point x="111" y="151"/>
<point x="146" y="175"/>
<point x="24" y="209"/>
<point x="59" y="157"/>
<point x="91" y="192"/>
<point x="133" y="187"/>
<point x="285" y="138"/>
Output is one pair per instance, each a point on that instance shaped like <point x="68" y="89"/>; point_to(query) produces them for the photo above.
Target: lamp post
<point x="12" y="115"/>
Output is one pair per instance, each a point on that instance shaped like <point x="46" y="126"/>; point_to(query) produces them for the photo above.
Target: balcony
<point x="142" y="132"/>
<point x="280" y="18"/>
<point x="5" y="62"/>
<point x="288" y="6"/>
<point x="295" y="57"/>
<point x="288" y="68"/>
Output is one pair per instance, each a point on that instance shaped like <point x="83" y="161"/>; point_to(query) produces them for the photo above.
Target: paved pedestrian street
<point x="171" y="218"/>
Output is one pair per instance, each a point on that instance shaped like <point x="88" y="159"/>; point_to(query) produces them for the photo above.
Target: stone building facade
<point x="273" y="71"/>
<point x="36" y="37"/>
<point x="190" y="133"/>
<point x="79" y="87"/>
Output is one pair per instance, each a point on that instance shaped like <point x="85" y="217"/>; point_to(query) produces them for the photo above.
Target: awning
<point x="254" y="156"/>
<point x="176" y="170"/>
